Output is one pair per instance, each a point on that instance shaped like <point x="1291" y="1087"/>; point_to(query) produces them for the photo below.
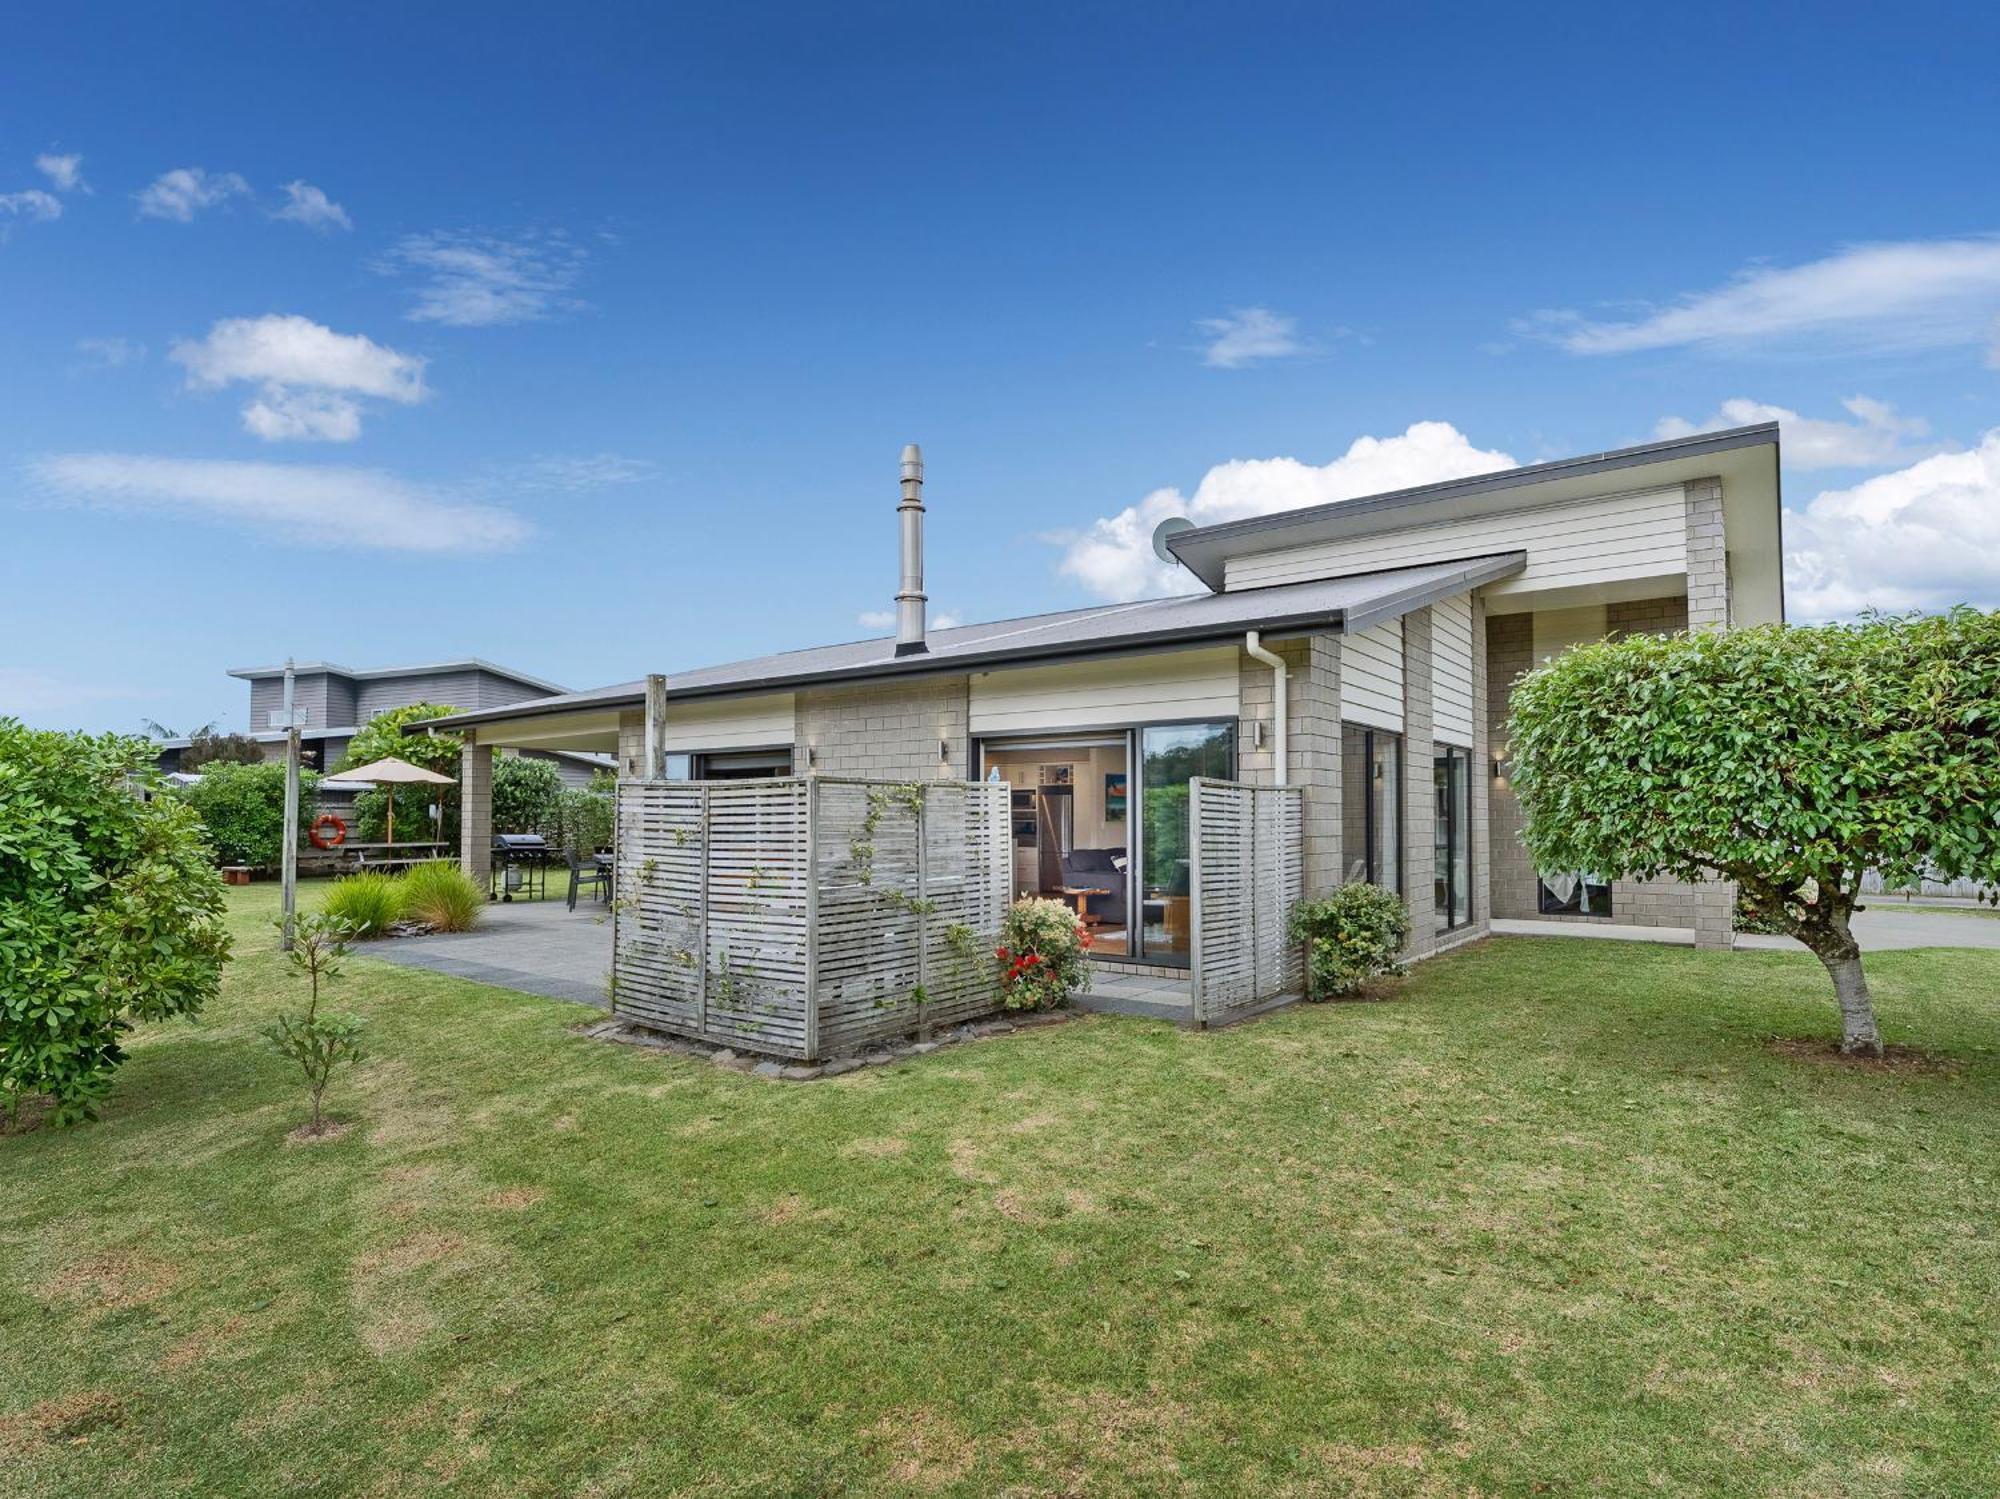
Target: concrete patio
<point x="536" y="946"/>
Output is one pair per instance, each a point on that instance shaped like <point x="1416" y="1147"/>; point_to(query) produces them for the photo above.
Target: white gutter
<point x="1253" y="644"/>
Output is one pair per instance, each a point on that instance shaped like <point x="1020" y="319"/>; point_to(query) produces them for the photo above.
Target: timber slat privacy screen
<point x="1247" y="871"/>
<point x="807" y="917"/>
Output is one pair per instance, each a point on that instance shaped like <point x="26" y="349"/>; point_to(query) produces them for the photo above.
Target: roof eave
<point x="1205" y="550"/>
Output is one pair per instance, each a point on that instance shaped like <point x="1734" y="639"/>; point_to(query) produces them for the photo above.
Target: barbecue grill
<point x="521" y="865"/>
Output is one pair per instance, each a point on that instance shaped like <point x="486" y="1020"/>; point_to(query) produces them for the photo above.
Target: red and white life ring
<point x="328" y="831"/>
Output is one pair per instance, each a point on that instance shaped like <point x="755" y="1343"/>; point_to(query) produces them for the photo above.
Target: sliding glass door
<point x="1169" y="757"/>
<point x="1452" y="836"/>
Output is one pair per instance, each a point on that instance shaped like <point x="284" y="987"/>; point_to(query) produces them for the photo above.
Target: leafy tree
<point x="243" y="809"/>
<point x="382" y="737"/>
<point x="317" y="1043"/>
<point x="110" y="912"/>
<point x="525" y="793"/>
<point x="1790" y="760"/>
<point x="580" y="820"/>
<point x="207" y="747"/>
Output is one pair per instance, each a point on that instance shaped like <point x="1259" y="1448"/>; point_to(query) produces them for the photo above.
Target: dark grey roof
<point x="1351" y="603"/>
<point x="1205" y="550"/>
<point x="373" y="673"/>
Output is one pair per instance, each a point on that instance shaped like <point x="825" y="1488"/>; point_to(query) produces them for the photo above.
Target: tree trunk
<point x="1834" y="945"/>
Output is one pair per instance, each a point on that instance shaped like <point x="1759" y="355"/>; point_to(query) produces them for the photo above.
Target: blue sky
<point x="585" y="338"/>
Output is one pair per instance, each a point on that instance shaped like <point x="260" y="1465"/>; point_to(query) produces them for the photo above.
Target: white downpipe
<point x="1254" y="645"/>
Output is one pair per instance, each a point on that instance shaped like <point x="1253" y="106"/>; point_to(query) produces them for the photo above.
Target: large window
<point x="1372" y="799"/>
<point x="1169" y="757"/>
<point x="1573" y="894"/>
<point x="1452" y="836"/>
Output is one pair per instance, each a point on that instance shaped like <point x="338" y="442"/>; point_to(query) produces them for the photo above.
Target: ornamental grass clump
<point x="442" y="896"/>
<point x="369" y="903"/>
<point x="1350" y="937"/>
<point x="1042" y="955"/>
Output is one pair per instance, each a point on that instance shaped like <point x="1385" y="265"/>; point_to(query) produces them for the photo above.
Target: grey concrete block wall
<point x="1481" y="771"/>
<point x="1509" y="653"/>
<point x="1713" y="901"/>
<point x="887" y="731"/>
<point x="1312" y="731"/>
<point x="1419" y="788"/>
<point x="631" y="743"/>
<point x="475" y="819"/>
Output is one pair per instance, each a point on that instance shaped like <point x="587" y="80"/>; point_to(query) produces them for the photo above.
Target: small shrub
<point x="443" y="896"/>
<point x="369" y="903"/>
<point x="1041" y="954"/>
<point x="1349" y="937"/>
<point x="318" y="1043"/>
<point x="243" y="809"/>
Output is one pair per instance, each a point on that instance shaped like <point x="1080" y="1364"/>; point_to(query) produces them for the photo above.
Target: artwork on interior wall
<point x="1114" y="796"/>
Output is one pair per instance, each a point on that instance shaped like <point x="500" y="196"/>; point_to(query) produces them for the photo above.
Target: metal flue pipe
<point x="910" y="598"/>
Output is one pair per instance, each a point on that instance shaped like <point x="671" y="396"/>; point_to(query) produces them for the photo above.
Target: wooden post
<point x="701" y="930"/>
<point x="812" y="789"/>
<point x="1199" y="1007"/>
<point x="656" y="727"/>
<point x="923" y="919"/>
<point x="288" y="859"/>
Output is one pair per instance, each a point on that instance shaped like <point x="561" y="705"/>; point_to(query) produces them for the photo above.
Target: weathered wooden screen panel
<point x="1248" y="871"/>
<point x="804" y="917"/>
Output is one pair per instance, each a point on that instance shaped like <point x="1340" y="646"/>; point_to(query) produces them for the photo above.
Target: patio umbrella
<point x="393" y="772"/>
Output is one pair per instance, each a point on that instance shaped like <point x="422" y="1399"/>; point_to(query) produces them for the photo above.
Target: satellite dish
<point x="1173" y="525"/>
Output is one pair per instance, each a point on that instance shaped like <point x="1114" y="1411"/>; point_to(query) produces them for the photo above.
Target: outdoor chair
<point x="592" y="876"/>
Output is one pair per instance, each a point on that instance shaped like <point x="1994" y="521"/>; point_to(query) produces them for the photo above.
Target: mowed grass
<point x="1555" y="1218"/>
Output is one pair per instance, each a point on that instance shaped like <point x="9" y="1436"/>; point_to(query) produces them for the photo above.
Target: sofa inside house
<point x="1098" y="869"/>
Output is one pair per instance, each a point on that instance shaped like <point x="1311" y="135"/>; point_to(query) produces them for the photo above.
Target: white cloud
<point x="309" y="374"/>
<point x="1922" y="537"/>
<point x="308" y="205"/>
<point x="1114" y="557"/>
<point x="1915" y="294"/>
<point x="477" y="281"/>
<point x="575" y="474"/>
<point x="1247" y="335"/>
<point x="65" y="172"/>
<point x="110" y="353"/>
<point x="285" y="415"/>
<point x="1877" y="438"/>
<point x="32" y="204"/>
<point x="182" y="193"/>
<point x="348" y="508"/>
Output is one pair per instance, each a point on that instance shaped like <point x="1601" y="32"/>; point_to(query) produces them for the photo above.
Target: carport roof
<point x="1340" y="604"/>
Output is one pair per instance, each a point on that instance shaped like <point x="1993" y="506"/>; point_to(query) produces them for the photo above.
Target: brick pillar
<point x="1314" y="751"/>
<point x="631" y="744"/>
<point x="1419" y="788"/>
<point x="475" y="810"/>
<point x="1481" y="771"/>
<point x="1708" y="609"/>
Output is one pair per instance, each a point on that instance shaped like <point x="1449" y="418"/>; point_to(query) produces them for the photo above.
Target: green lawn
<point x="1556" y="1219"/>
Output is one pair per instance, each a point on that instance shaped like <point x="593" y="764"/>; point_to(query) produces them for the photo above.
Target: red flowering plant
<point x="1041" y="955"/>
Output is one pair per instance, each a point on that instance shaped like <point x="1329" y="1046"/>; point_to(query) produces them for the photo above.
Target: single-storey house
<point x="1362" y="651"/>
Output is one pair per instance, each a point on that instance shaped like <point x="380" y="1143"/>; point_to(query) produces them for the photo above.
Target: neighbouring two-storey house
<point x="338" y="700"/>
<point x="1362" y="651"/>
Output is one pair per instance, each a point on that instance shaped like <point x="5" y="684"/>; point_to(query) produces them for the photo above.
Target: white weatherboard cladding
<point x="1371" y="676"/>
<point x="1160" y="687"/>
<point x="729" y="723"/>
<point x="1451" y="670"/>
<point x="1574" y="544"/>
